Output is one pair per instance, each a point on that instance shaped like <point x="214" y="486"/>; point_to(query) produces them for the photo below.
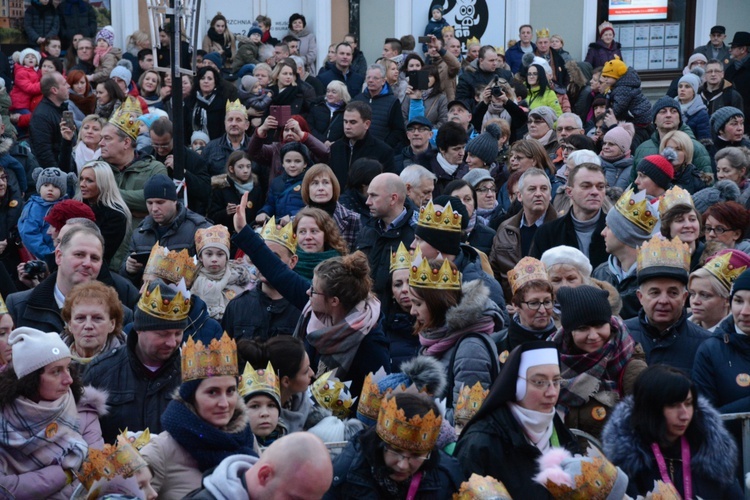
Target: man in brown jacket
<point x="514" y="236"/>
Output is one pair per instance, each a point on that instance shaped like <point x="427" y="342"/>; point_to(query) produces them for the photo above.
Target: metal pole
<point x="178" y="135"/>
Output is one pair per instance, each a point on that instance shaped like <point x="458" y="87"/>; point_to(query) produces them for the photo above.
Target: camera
<point x="35" y="268"/>
<point x="497" y="91"/>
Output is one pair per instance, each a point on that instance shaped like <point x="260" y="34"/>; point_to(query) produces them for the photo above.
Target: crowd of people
<point x="453" y="270"/>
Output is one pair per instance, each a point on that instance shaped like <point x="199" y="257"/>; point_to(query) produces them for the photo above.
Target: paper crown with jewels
<point x="126" y="121"/>
<point x="482" y="488"/>
<point x="442" y="220"/>
<point x="121" y="459"/>
<point x="131" y="105"/>
<point x="417" y="434"/>
<point x="3" y="307"/>
<point x="333" y="394"/>
<point x="674" y="196"/>
<point x="727" y="265"/>
<point x="402" y="258"/>
<point x="542" y="33"/>
<point x="263" y="380"/>
<point x="236" y="105"/>
<point x="177" y="309"/>
<point x="638" y="210"/>
<point x="217" y="359"/>
<point x="284" y="236"/>
<point x="370" y="397"/>
<point x="214" y="236"/>
<point x="583" y="477"/>
<point x="171" y="266"/>
<point x="473" y="41"/>
<point x="528" y="269"/>
<point x="662" y="258"/>
<point x="470" y="399"/>
<point x="422" y="275"/>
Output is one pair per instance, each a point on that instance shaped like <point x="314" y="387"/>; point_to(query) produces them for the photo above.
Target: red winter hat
<point x="68" y="209"/>
<point x="659" y="169"/>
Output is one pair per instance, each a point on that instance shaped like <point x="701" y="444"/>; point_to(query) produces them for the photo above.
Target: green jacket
<point x="247" y="53"/>
<point x="701" y="158"/>
<point x="131" y="181"/>
<point x="549" y="98"/>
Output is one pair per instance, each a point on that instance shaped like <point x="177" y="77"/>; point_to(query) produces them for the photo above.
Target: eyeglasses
<point x="485" y="189"/>
<point x="566" y="129"/>
<point x="538" y="304"/>
<point x="568" y="147"/>
<point x="411" y="460"/>
<point x="417" y="129"/>
<point x="532" y="74"/>
<point x="312" y="292"/>
<point x="718" y="230"/>
<point x="537" y="121"/>
<point x="543" y="384"/>
<point x="85" y="48"/>
<point x="161" y="146"/>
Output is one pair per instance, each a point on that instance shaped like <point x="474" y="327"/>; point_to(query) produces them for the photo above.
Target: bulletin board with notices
<point x="651" y="46"/>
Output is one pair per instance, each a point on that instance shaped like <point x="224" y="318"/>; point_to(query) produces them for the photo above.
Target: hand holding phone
<point x="70" y="122"/>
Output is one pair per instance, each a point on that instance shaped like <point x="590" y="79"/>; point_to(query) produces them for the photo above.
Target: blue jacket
<point x="718" y="364"/>
<point x="514" y="55"/>
<point x="676" y="346"/>
<point x="33" y="229"/>
<point x="696" y="117"/>
<point x="284" y="196"/>
<point x="352" y="80"/>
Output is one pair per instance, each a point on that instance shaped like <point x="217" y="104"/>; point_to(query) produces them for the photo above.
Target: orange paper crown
<point x="152" y="303"/>
<point x="126" y="121"/>
<point x="661" y="252"/>
<point x="284" y="236"/>
<point x="121" y="459"/>
<point x="170" y="266"/>
<point x="370" y="397"/>
<point x="417" y="434"/>
<point x="216" y="235"/>
<point x="470" y="399"/>
<point x="217" y="359"/>
<point x="674" y="196"/>
<point x="482" y="488"/>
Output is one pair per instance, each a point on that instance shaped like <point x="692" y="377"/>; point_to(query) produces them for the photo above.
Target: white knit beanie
<point x="34" y="349"/>
<point x="567" y="255"/>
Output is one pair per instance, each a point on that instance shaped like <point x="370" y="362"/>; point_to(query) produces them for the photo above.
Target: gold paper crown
<point x="121" y="459"/>
<point x="721" y="267"/>
<point x="171" y="266"/>
<point x="422" y="275"/>
<point x="417" y="434"/>
<point x="401" y="258"/>
<point x="470" y="400"/>
<point x="527" y="269"/>
<point x="598" y="475"/>
<point x="218" y="359"/>
<point x="152" y="304"/>
<point x="3" y="307"/>
<point x="674" y="196"/>
<point x="472" y="41"/>
<point x="371" y="395"/>
<point x="500" y="50"/>
<point x="482" y="487"/>
<point x="125" y="121"/>
<point x="637" y="209"/>
<point x="284" y="236"/>
<point x="261" y="380"/>
<point x="542" y="33"/>
<point x="131" y="105"/>
<point x="333" y="394"/>
<point x="442" y="220"/>
<point x="660" y="252"/>
<point x="216" y="235"/>
<point x="236" y="105"/>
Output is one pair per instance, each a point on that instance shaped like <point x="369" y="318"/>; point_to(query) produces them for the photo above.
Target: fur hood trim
<point x="427" y="373"/>
<point x="716" y="459"/>
<point x="472" y="307"/>
<point x="240" y="418"/>
<point x="95" y="400"/>
<point x="5" y="144"/>
<point x="614" y="299"/>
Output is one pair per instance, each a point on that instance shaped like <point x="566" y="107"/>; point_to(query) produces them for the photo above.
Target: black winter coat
<point x="215" y="113"/>
<point x="353" y="81"/>
<point x="740" y="78"/>
<point x="481" y="238"/>
<point x="197" y="178"/>
<point x="216" y="153"/>
<point x="46" y="141"/>
<point x="676" y="346"/>
<point x="291" y="96"/>
<point x="40" y="21"/>
<point x="353" y="478"/>
<point x="472" y="77"/>
<point x="599" y="53"/>
<point x="228" y="193"/>
<point x="343" y="155"/>
<point x="399" y="328"/>
<point x="497" y="446"/>
<point x="137" y="396"/>
<point x="626" y="288"/>
<point x="387" y="120"/>
<point x="113" y="226"/>
<point x="253" y="315"/>
<point x="561" y="231"/>
<point x="428" y="159"/>
<point x="77" y="16"/>
<point x="326" y="125"/>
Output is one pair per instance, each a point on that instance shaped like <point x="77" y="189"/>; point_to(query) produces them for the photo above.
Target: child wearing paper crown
<point x="621" y="86"/>
<point x="52" y="187"/>
<point x="262" y="395"/>
<point x="219" y="278"/>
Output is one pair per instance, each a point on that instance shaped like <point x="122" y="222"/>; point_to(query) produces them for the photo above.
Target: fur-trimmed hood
<point x="474" y="304"/>
<point x="5" y="144"/>
<point x="716" y="459"/>
<point x="240" y="417"/>
<point x="94" y="400"/>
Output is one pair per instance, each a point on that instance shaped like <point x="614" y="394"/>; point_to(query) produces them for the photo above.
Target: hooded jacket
<point x="696" y="117"/>
<point x="628" y="101"/>
<point x="227" y="481"/>
<point x="712" y="465"/>
<point x="701" y="158"/>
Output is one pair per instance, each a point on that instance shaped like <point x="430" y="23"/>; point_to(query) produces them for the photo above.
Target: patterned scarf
<point x="439" y="340"/>
<point x="37" y="435"/>
<point x="217" y="289"/>
<point x="338" y="344"/>
<point x="207" y="444"/>
<point x="200" y="116"/>
<point x="595" y="374"/>
<point x="99" y="53"/>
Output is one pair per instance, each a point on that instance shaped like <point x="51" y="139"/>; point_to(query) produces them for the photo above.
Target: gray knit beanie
<point x="664" y="102"/>
<point x="721" y="116"/>
<point x="53" y="176"/>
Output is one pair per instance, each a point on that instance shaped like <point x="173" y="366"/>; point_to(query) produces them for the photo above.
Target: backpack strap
<point x="494" y="368"/>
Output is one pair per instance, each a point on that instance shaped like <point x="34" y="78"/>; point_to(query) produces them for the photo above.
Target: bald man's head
<point x="385" y="197"/>
<point x="296" y="466"/>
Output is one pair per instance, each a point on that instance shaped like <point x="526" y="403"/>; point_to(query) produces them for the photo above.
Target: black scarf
<point x="225" y="44"/>
<point x="207" y="444"/>
<point x="328" y="207"/>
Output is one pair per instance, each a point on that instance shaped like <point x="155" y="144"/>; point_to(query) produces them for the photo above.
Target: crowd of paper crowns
<point x="421" y="274"/>
<point x="103" y="469"/>
<point x="170" y="266"/>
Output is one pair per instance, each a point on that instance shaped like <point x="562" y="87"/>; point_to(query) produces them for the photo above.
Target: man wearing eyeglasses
<point x="716" y="91"/>
<point x="85" y="56"/>
<point x="715" y="48"/>
<point x="197" y="180"/>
